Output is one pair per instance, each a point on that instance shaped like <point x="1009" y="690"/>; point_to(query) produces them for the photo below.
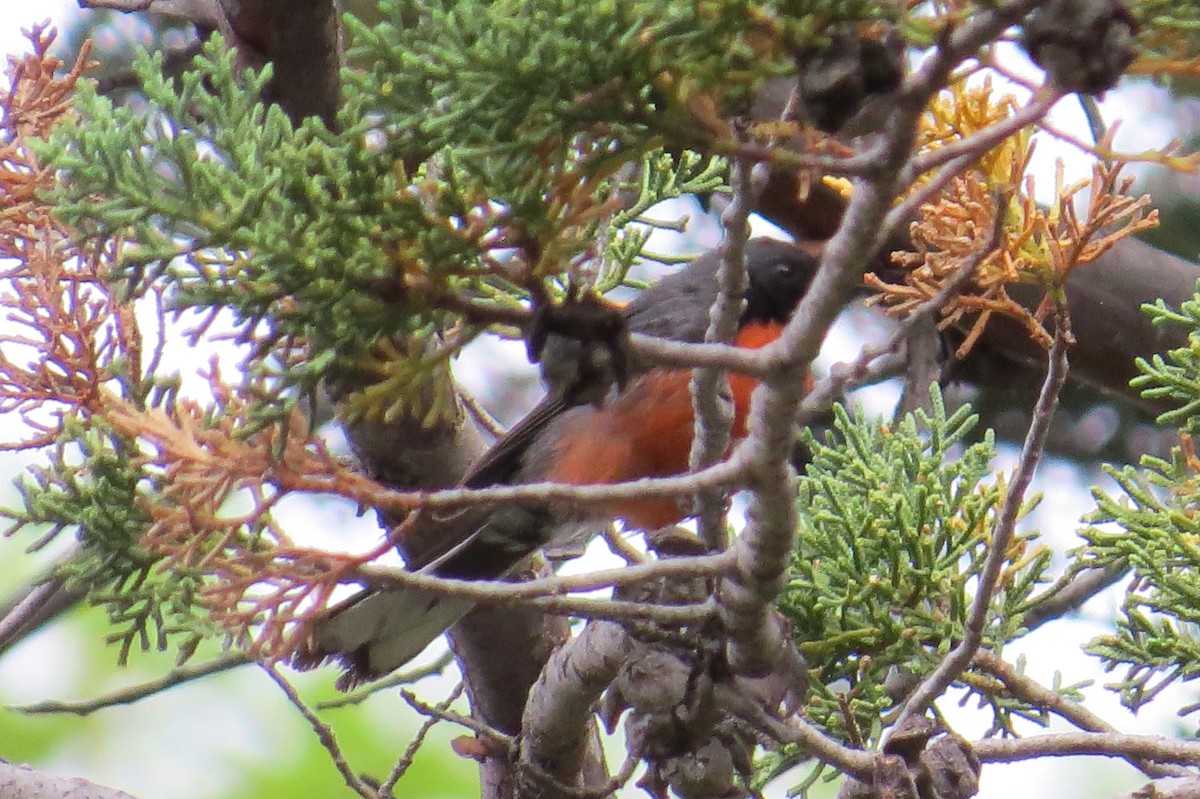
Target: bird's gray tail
<point x="377" y="632"/>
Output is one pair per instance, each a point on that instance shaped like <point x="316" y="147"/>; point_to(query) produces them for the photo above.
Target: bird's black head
<point x="778" y="276"/>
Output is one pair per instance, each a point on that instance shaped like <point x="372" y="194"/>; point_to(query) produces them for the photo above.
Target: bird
<point x="643" y="428"/>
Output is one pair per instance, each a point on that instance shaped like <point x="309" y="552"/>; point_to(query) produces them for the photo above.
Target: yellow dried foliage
<point x="1034" y="245"/>
<point x="962" y="111"/>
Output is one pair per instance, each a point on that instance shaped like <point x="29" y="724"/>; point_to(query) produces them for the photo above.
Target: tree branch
<point x="1167" y="788"/>
<point x="22" y="782"/>
<point x="1103" y="744"/>
<point x="483" y="730"/>
<point x="418" y="740"/>
<point x="725" y="475"/>
<point x="391" y="681"/>
<point x="846" y="376"/>
<point x="503" y="591"/>
<point x="813" y="742"/>
<point x="1069" y="593"/>
<point x="558" y="723"/>
<point x="1104" y="297"/>
<point x="324" y="735"/>
<point x="302" y="40"/>
<point x="764" y="545"/>
<point x="135" y="693"/>
<point x="1027" y="690"/>
<point x="712" y="405"/>
<point x="1035" y="441"/>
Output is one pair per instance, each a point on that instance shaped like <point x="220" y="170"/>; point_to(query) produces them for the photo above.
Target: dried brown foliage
<point x="1037" y="245"/>
<point x="65" y="327"/>
<point x="77" y="348"/>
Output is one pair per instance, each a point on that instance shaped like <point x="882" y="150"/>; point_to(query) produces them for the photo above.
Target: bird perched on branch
<point x="643" y="429"/>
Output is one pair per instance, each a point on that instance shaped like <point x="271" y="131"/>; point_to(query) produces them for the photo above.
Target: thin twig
<point x="623" y="775"/>
<point x="961" y="43"/>
<point x="931" y="77"/>
<point x="39" y="601"/>
<point x="474" y="725"/>
<point x="134" y="693"/>
<point x="410" y="751"/>
<point x="983" y="140"/>
<point x="535" y="592"/>
<point x="1070" y="592"/>
<point x="499" y="590"/>
<point x="621" y="610"/>
<point x="812" y="741"/>
<point x="846" y="376"/>
<point x="963" y="156"/>
<point x="324" y="735"/>
<point x="1002" y="535"/>
<point x="603" y="791"/>
<point x="725" y="475"/>
<point x="620" y="546"/>
<point x="906" y="211"/>
<point x="858" y="165"/>
<point x="924" y="366"/>
<point x="686" y="355"/>
<point x="488" y="422"/>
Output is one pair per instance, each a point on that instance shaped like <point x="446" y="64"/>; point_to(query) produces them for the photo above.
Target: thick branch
<point x="558" y="724"/>
<point x="302" y="39"/>
<point x="1104" y="744"/>
<point x="22" y="782"/>
<point x="764" y="545"/>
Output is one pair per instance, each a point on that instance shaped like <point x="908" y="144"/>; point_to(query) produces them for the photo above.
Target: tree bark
<point x="22" y="782"/>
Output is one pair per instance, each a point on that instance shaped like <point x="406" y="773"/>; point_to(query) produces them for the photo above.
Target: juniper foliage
<point x="1151" y="526"/>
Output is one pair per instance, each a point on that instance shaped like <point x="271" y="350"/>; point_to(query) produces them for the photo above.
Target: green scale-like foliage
<point x="92" y="488"/>
<point x="233" y="209"/>
<point x="334" y="244"/>
<point x="1168" y="28"/>
<point x="1153" y="527"/>
<point x="322" y="237"/>
<point x="516" y="81"/>
<point x="895" y="524"/>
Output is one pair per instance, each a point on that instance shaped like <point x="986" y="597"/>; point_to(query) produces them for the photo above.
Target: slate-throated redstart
<point x="645" y="430"/>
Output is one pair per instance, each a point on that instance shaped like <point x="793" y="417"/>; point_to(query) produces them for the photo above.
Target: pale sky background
<point x="149" y="724"/>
